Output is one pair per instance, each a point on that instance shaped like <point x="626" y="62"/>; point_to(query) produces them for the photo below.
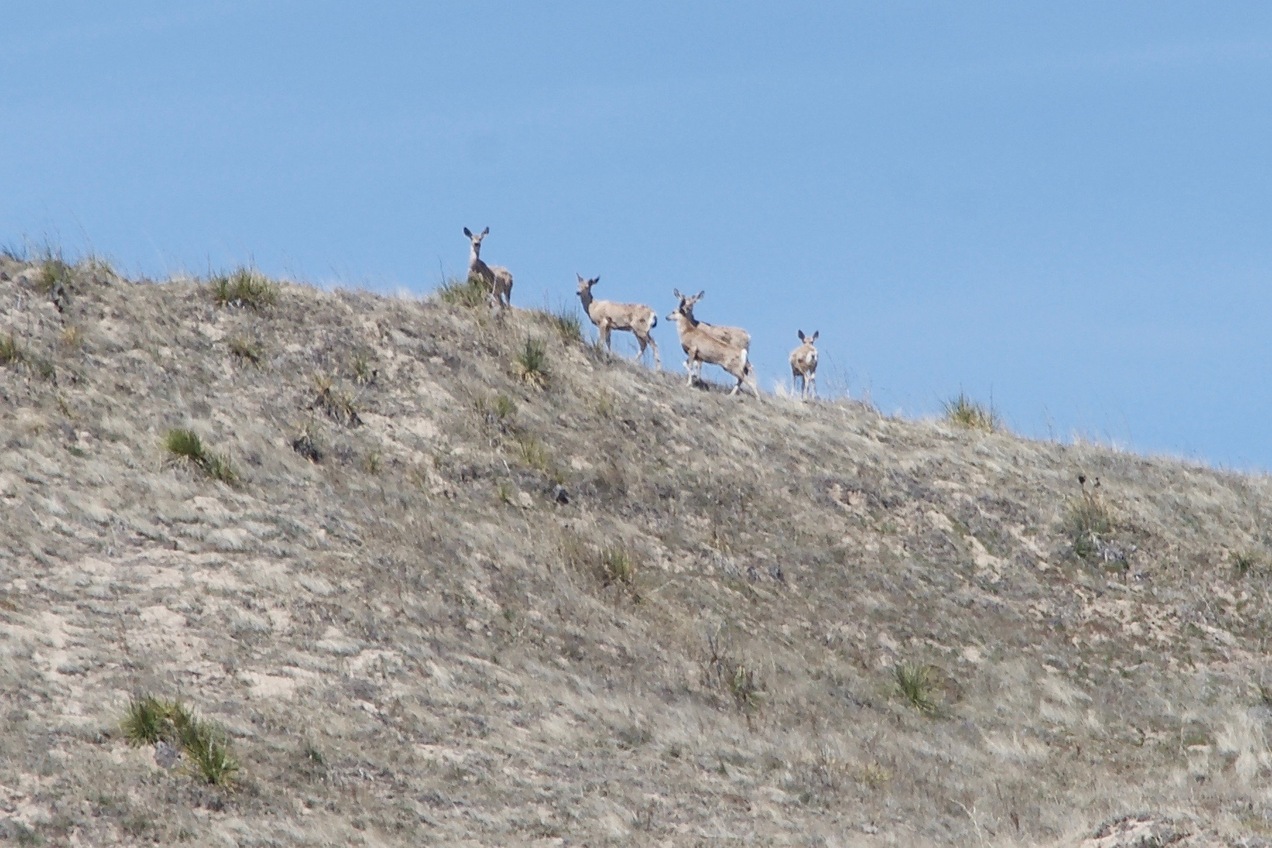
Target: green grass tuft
<point x="150" y="720"/>
<point x="244" y="287"/>
<point x="147" y="720"/>
<point x="965" y="412"/>
<point x="568" y="323"/>
<point x="186" y="445"/>
<point x="531" y="363"/>
<point x="10" y="351"/>
<point x="918" y="686"/>
<point x="471" y="293"/>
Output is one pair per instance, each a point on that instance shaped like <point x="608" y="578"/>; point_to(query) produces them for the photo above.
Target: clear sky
<point x="1065" y="208"/>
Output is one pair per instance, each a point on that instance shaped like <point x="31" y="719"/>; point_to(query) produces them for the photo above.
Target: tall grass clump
<point x="10" y="350"/>
<point x="531" y="363"/>
<point x="568" y="324"/>
<point x="734" y="676"/>
<point x="917" y="684"/>
<point x="149" y="720"/>
<point x="244" y="287"/>
<point x="965" y="412"/>
<point x="1087" y="522"/>
<point x="470" y="293"/>
<point x="185" y="446"/>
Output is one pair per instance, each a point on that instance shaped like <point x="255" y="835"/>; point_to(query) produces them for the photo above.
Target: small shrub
<point x="185" y="445"/>
<point x="965" y="412"/>
<point x="531" y="363"/>
<point x="246" y="350"/>
<point x="14" y="252"/>
<point x="244" y="287"/>
<point x="471" y="293"/>
<point x="918" y="686"/>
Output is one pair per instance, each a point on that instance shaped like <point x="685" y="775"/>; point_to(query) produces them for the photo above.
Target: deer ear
<point x="486" y="231"/>
<point x="677" y="293"/>
<point x="468" y="232"/>
<point x="801" y="334"/>
<point x="700" y="294"/>
<point x="816" y="333"/>
<point x="595" y="280"/>
<point x="580" y="276"/>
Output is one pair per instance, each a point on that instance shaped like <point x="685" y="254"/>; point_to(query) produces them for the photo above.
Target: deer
<point x="804" y="365"/>
<point x="701" y="345"/>
<point x="607" y="315"/>
<point x="497" y="278"/>
<point x="735" y="336"/>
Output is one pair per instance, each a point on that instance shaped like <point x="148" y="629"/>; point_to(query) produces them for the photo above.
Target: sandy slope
<point x="411" y="641"/>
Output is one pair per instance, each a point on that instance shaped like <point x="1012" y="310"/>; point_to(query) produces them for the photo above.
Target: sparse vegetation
<point x="246" y="350"/>
<point x="531" y="363"/>
<point x="147" y="720"/>
<point x="732" y="675"/>
<point x="244" y="287"/>
<point x="568" y="324"/>
<point x="338" y="404"/>
<point x="10" y="351"/>
<point x="1247" y="562"/>
<point x="917" y="684"/>
<point x="185" y="445"/>
<point x="413" y="655"/>
<point x="534" y="454"/>
<point x="470" y="293"/>
<point x="54" y="272"/>
<point x="967" y="413"/>
<point x="150" y="720"/>
<point x="364" y="372"/>
<point x="498" y="411"/>
<point x="71" y="337"/>
<point x="616" y="567"/>
<point x="1088" y="521"/>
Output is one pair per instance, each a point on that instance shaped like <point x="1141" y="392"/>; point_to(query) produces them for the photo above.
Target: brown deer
<point x="496" y="278"/>
<point x="607" y="315"/>
<point x="701" y="345"/>
<point x="804" y="365"/>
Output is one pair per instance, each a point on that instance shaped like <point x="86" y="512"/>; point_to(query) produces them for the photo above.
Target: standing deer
<point x="607" y="315"/>
<point x="735" y="336"/>
<point x="701" y="345"/>
<point x="498" y="279"/>
<point x="804" y="365"/>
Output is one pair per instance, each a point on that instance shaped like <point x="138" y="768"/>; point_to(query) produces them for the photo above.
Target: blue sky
<point x="1062" y="207"/>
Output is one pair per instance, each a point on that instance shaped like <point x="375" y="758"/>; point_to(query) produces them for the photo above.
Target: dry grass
<point x="971" y="415"/>
<point x="412" y="641"/>
<point x="244" y="287"/>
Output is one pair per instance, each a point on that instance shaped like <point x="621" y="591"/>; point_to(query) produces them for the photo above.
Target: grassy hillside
<point x="432" y="577"/>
